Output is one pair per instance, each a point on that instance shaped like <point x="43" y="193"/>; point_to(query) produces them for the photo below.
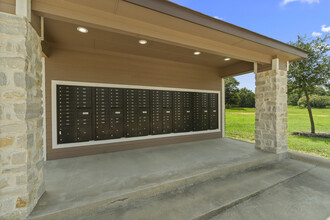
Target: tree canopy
<point x="231" y="90"/>
<point x="305" y="76"/>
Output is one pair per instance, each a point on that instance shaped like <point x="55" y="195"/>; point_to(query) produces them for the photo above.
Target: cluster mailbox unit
<point x="86" y="113"/>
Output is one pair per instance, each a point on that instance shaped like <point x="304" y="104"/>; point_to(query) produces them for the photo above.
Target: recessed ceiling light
<point x="82" y="30"/>
<point x="197" y="53"/>
<point x="227" y="59"/>
<point x="143" y="42"/>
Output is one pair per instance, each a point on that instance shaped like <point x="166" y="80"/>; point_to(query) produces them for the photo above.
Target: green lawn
<point x="240" y="125"/>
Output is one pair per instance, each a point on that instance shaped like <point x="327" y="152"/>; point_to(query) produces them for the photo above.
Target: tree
<point x="231" y="92"/>
<point x="247" y="98"/>
<point x="305" y="75"/>
<point x="293" y="98"/>
<point x="319" y="91"/>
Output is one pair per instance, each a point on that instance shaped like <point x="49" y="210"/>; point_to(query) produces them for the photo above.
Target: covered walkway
<point x="73" y="183"/>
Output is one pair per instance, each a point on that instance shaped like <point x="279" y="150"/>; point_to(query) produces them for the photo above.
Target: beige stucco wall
<point x="115" y="68"/>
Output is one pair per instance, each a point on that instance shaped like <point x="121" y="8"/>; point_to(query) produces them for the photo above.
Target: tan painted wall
<point x="69" y="65"/>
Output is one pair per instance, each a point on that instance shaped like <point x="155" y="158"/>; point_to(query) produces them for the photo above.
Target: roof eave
<point x="181" y="12"/>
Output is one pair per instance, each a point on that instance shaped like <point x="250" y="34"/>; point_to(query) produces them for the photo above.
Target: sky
<point x="279" y="19"/>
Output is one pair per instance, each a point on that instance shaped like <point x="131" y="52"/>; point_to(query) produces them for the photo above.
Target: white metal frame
<point x="55" y="145"/>
<point x="43" y="87"/>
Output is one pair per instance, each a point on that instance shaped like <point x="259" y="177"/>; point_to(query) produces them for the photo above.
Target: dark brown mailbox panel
<point x="197" y="111"/>
<point x="131" y="112"/>
<point x="205" y="111"/>
<point x="156" y="112"/>
<point x="213" y="109"/>
<point x="116" y="100"/>
<point x="167" y="112"/>
<point x="66" y="114"/>
<point x="143" y="113"/>
<point x="102" y="107"/>
<point x="187" y="111"/>
<point x="100" y="113"/>
<point x="178" y="125"/>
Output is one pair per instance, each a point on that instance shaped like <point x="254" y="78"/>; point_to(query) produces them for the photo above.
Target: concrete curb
<point x="318" y="161"/>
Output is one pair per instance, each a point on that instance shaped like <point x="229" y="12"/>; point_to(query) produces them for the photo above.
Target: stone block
<point x="18" y="158"/>
<point x="19" y="79"/>
<point x="14" y="96"/>
<point x="3" y="79"/>
<point x="6" y="141"/>
<point x="3" y="182"/>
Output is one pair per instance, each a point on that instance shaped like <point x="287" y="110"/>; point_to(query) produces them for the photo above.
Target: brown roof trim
<point x="196" y="17"/>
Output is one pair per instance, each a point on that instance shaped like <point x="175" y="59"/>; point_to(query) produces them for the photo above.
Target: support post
<point x="271" y="108"/>
<point x="223" y="108"/>
<point x="21" y="118"/>
<point x="23" y="8"/>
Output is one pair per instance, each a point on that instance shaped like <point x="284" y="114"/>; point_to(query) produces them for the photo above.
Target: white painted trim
<point x="223" y="108"/>
<point x="43" y="88"/>
<point x="42" y="28"/>
<point x="79" y="144"/>
<point x="23" y="8"/>
<point x="275" y="64"/>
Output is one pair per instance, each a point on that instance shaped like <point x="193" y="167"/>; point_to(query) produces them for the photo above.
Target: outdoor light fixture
<point x="82" y="30"/>
<point x="227" y="59"/>
<point x="197" y="53"/>
<point x="143" y="42"/>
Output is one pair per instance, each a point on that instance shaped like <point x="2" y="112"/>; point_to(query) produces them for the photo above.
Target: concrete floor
<point x="76" y="182"/>
<point x="306" y="196"/>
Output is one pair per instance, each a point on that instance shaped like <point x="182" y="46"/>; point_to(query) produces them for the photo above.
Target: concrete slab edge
<point x="151" y="191"/>
<point x="318" y="161"/>
<point x="235" y="202"/>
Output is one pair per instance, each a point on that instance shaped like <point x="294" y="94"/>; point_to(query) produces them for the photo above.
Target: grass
<point x="240" y="125"/>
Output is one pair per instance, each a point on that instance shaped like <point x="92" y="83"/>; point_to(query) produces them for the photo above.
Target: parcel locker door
<point x="102" y="108"/>
<point x="178" y="118"/>
<point x="131" y="113"/>
<point x="143" y="125"/>
<point x="197" y="111"/>
<point x="66" y="114"/>
<point x="156" y="111"/>
<point x="84" y="125"/>
<point x="167" y="117"/>
<point x="205" y="111"/>
<point x="143" y="120"/>
<point x="116" y="123"/>
<point x="116" y="112"/>
<point x="213" y="110"/>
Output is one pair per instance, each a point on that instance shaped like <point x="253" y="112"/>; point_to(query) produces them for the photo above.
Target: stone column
<point x="271" y="108"/>
<point x="21" y="120"/>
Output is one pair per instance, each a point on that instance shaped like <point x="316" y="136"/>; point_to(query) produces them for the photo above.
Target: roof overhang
<point x="178" y="11"/>
<point x="167" y="23"/>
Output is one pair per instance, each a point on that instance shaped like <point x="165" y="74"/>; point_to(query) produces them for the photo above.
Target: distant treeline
<point x="320" y="97"/>
<point x="238" y="97"/>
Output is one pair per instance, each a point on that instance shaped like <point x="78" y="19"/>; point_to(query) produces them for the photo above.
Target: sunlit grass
<point x="240" y="125"/>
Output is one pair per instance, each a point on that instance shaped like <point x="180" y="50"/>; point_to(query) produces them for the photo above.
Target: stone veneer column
<point x="271" y="109"/>
<point x="21" y="120"/>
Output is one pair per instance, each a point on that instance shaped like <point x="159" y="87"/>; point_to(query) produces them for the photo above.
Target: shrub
<point x="293" y="99"/>
<point x="316" y="101"/>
